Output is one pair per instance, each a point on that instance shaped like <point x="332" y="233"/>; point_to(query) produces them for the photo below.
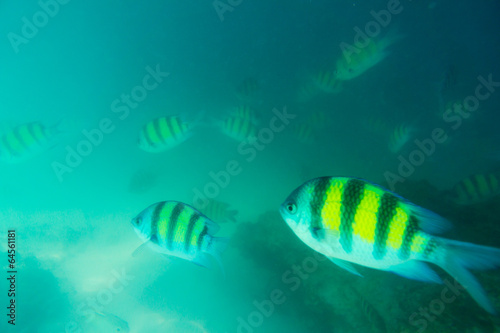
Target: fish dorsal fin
<point x="345" y="265"/>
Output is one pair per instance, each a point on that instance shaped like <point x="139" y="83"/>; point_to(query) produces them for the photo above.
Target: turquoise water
<point x="335" y="89"/>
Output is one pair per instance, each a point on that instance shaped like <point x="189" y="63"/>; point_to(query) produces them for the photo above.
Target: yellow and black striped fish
<point x="26" y="141"/>
<point x="177" y="229"/>
<point x="163" y="133"/>
<point x="218" y="211"/>
<point x="238" y="127"/>
<point x="476" y="188"/>
<point x="350" y="220"/>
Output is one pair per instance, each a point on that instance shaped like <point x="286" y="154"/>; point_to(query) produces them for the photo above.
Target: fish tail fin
<point x="458" y="257"/>
<point x="218" y="245"/>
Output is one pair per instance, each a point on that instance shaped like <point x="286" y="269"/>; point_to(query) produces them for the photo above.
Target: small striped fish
<point x="305" y="132"/>
<point x="218" y="211"/>
<point x="239" y="128"/>
<point x="400" y="137"/>
<point x="26" y="141"/>
<point x="350" y="220"/>
<point x="326" y="81"/>
<point x="475" y="189"/>
<point x="245" y="112"/>
<point x="179" y="230"/>
<point x="164" y="133"/>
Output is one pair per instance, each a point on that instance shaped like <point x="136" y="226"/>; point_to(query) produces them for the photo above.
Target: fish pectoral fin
<point x="202" y="260"/>
<point x="325" y="232"/>
<point x="416" y="270"/>
<point x="140" y="249"/>
<point x="148" y="246"/>
<point x="345" y="265"/>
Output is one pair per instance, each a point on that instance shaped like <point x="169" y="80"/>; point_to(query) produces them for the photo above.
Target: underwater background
<point x="269" y="94"/>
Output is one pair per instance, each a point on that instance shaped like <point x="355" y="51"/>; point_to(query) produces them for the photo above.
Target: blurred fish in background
<point x="327" y="81"/>
<point x="362" y="56"/>
<point x="238" y="126"/>
<point x="376" y="125"/>
<point x="476" y="189"/>
<point x="164" y="133"/>
<point x="218" y="211"/>
<point x="26" y="141"/>
<point x="399" y="137"/>
<point x="143" y="180"/>
<point x="309" y="130"/>
<point x="245" y="112"/>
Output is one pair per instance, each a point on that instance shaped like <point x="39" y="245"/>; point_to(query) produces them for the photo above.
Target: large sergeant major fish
<point x="350" y="220"/>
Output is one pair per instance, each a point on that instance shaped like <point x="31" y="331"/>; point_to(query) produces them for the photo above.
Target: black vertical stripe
<point x="202" y="235"/>
<point x="385" y="213"/>
<point x="172" y="223"/>
<point x="316" y="206"/>
<point x="192" y="222"/>
<point x="171" y="127"/>
<point x="145" y="133"/>
<point x="410" y="232"/>
<point x="155" y="219"/>
<point x="429" y="248"/>
<point x="351" y="198"/>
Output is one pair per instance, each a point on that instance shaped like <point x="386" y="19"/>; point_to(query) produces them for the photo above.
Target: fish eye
<point x="291" y="208"/>
<point x="137" y="221"/>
